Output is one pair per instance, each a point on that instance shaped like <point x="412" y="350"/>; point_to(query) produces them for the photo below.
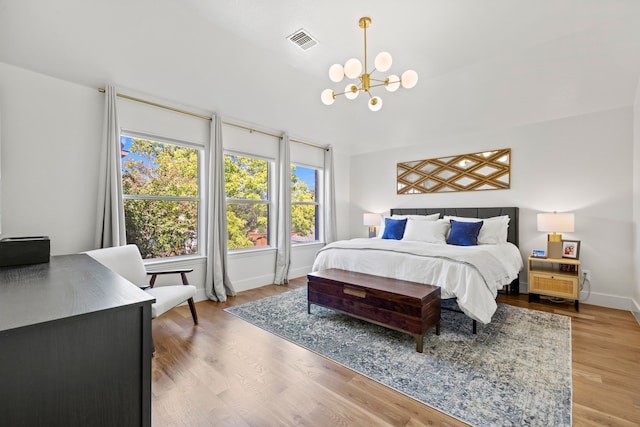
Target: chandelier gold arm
<point x="355" y="88"/>
<point x="378" y="85"/>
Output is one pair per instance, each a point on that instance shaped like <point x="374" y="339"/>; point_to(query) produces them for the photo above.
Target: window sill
<point x="185" y="261"/>
<point x="306" y="244"/>
<point x="250" y="252"/>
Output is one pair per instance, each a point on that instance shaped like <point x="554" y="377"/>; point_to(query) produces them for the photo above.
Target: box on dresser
<point x="24" y="250"/>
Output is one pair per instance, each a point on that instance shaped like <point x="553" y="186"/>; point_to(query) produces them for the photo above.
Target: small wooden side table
<point x="547" y="277"/>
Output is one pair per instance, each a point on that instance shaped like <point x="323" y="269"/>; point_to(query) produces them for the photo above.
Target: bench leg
<point x="438" y="328"/>
<point x="419" y="339"/>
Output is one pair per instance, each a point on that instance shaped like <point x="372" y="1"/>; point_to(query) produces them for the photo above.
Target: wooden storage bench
<point x="397" y="304"/>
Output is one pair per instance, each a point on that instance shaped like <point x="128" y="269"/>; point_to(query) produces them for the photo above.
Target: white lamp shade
<point x="375" y="103"/>
<point x="371" y="219"/>
<point x="394" y="83"/>
<point x="409" y="79"/>
<point x="327" y="97"/>
<point x="556" y="222"/>
<point x="383" y="61"/>
<point x="352" y="68"/>
<point x="349" y="93"/>
<point x="336" y="73"/>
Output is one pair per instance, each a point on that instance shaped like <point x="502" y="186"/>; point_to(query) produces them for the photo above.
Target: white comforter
<point x="472" y="274"/>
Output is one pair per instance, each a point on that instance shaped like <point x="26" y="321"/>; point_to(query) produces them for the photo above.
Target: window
<point x="161" y="188"/>
<point x="304" y="204"/>
<point x="247" y="188"/>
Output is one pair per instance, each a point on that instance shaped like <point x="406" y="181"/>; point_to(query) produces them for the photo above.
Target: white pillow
<point x="494" y="230"/>
<point x="427" y="231"/>
<point x="432" y="217"/>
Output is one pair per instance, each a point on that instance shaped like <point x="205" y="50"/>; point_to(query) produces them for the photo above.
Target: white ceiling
<point x="483" y="64"/>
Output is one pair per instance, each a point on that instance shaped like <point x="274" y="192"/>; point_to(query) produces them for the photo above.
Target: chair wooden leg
<point x="192" y="304"/>
<point x="192" y="307"/>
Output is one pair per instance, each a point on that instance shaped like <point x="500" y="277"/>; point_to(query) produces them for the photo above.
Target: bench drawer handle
<point x="355" y="292"/>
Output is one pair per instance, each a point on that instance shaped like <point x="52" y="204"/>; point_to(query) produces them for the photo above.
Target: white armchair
<point x="127" y="262"/>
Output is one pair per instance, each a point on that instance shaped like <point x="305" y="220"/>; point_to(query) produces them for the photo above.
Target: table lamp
<point x="372" y="220"/>
<point x="555" y="222"/>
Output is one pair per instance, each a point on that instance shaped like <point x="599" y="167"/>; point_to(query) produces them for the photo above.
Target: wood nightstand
<point x="547" y="278"/>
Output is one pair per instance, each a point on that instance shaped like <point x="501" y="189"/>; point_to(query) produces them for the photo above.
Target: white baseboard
<point x="606" y="300"/>
<point x="200" y="295"/>
<point x="635" y="310"/>
<point x="300" y="272"/>
<point x="239" y="285"/>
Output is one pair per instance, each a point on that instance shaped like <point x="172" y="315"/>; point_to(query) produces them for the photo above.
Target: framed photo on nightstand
<point x="571" y="249"/>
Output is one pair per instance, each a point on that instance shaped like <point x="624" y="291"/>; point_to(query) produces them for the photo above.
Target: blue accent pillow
<point x="394" y="228"/>
<point x="464" y="233"/>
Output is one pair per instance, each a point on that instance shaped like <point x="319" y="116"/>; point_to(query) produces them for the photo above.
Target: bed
<point x="472" y="275"/>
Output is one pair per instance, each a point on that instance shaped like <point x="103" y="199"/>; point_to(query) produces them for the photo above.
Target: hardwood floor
<point x="226" y="372"/>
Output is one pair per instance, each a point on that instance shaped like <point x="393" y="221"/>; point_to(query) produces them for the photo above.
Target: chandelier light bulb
<point x="336" y="73"/>
<point x="351" y="91"/>
<point x="375" y="103"/>
<point x="383" y="61"/>
<point x="392" y="83"/>
<point x="327" y="97"/>
<point x="409" y="79"/>
<point x="353" y="68"/>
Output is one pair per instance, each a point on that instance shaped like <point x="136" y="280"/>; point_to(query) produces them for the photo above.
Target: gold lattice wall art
<point x="487" y="170"/>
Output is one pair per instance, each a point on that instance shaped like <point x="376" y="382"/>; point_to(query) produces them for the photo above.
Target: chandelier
<point x="353" y="69"/>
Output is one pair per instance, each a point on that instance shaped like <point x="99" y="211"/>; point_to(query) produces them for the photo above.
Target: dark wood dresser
<point x="75" y="346"/>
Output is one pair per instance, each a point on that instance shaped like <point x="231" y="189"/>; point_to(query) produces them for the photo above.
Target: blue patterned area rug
<point x="515" y="372"/>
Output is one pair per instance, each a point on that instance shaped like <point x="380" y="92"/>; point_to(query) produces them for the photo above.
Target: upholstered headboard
<point x="513" y="235"/>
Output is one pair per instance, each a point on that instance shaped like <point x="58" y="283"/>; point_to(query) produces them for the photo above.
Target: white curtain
<point x="110" y="229"/>
<point x="283" y="223"/>
<point x="329" y="211"/>
<point x="217" y="283"/>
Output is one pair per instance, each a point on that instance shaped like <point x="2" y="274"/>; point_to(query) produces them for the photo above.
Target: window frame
<point x="270" y="201"/>
<point x="200" y="198"/>
<point x="319" y="238"/>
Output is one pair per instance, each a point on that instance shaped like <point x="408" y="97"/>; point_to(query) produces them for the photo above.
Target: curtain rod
<point x="203" y="117"/>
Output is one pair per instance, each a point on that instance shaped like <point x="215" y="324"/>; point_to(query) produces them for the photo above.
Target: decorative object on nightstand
<point x="555" y="223"/>
<point x="571" y="249"/>
<point x="555" y="277"/>
<point x="372" y="220"/>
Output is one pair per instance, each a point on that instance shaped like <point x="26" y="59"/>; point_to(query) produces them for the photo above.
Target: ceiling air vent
<point x="302" y="39"/>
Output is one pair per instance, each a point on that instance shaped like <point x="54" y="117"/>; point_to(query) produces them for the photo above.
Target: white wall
<point x="51" y="132"/>
<point x="579" y="164"/>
